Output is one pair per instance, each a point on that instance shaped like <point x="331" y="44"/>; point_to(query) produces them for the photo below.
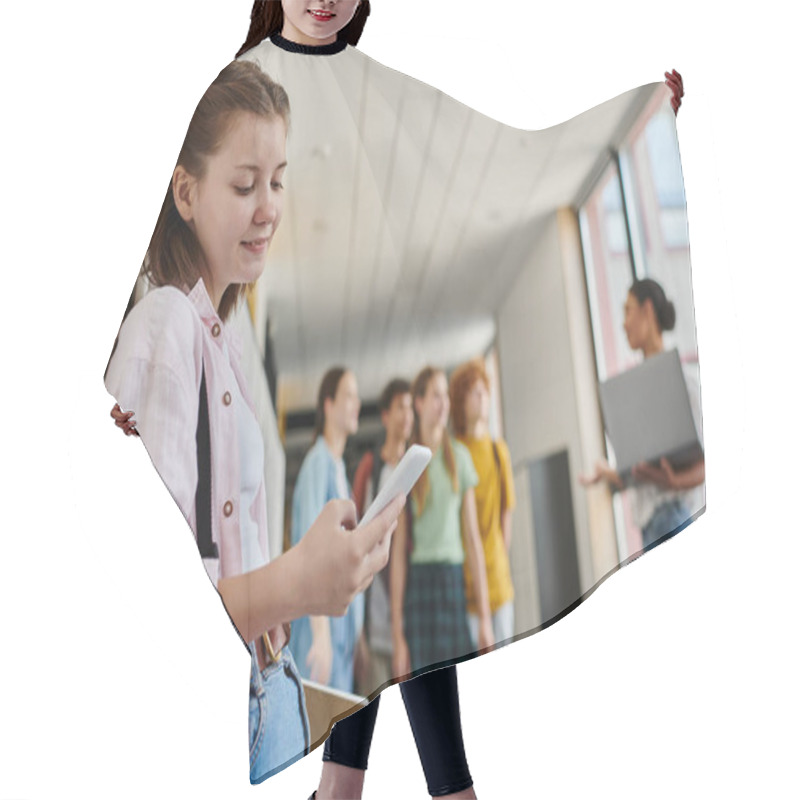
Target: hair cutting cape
<point x="418" y="231"/>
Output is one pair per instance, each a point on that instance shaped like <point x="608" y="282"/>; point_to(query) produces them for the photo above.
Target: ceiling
<point x="407" y="218"/>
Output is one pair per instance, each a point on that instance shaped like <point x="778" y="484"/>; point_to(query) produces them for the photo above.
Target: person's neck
<point x="477" y="429"/>
<point x="335" y="440"/>
<point x="653" y="346"/>
<point x="214" y="293"/>
<point x="432" y="437"/>
<point x="314" y="49"/>
<point x="393" y="449"/>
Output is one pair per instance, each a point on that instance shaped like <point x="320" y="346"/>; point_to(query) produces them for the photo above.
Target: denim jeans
<point x="502" y="624"/>
<point x="669" y="518"/>
<point x="279" y="732"/>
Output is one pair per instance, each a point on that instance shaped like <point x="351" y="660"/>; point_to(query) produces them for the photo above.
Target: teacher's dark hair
<point x="174" y="257"/>
<point x="648" y="289"/>
<point x="266" y="19"/>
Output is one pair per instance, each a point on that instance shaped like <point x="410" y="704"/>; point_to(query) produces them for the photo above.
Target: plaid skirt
<point x="435" y="615"/>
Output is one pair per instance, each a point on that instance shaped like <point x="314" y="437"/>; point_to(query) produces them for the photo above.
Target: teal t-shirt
<point x="437" y="531"/>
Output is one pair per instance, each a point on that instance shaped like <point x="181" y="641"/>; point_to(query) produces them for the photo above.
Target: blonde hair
<point x="422" y="487"/>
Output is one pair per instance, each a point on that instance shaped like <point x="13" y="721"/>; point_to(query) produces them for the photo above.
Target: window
<point x="656" y="206"/>
<point x="634" y="225"/>
<point x="609" y="270"/>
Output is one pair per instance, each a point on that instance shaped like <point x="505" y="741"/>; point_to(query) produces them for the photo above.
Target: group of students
<point x="447" y="590"/>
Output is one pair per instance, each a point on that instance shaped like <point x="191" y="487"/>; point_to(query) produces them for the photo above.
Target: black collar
<point x="306" y="49"/>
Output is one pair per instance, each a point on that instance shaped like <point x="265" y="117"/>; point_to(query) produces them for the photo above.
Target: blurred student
<point x="429" y="609"/>
<point x="494" y="495"/>
<point x="324" y="647"/>
<point x="373" y="472"/>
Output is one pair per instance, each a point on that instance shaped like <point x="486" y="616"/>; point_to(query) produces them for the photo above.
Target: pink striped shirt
<point x="163" y="346"/>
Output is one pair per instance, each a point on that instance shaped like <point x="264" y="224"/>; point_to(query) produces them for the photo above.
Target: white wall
<point x="544" y="348"/>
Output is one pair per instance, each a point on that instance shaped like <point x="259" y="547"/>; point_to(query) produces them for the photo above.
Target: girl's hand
<point x="124" y="420"/>
<point x="401" y="658"/>
<point x="663" y="476"/>
<point x="485" y="634"/>
<point x="675" y="82"/>
<point x="320" y="656"/>
<point x="339" y="560"/>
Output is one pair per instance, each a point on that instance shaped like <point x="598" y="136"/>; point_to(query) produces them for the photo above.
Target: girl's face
<point x="342" y="412"/>
<point x="476" y="403"/>
<point x="235" y="208"/>
<point x="433" y="407"/>
<point x="638" y="321"/>
<point x="315" y="22"/>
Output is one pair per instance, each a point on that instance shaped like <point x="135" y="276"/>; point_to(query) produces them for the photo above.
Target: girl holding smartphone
<point x="176" y="366"/>
<point x="320" y="28"/>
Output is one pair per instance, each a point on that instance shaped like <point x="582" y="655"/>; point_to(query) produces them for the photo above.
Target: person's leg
<point x="434" y="713"/>
<point x="474" y="626"/>
<point x="503" y="622"/>
<point x="344" y="759"/>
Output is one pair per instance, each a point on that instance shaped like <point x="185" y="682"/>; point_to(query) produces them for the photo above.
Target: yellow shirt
<point x="488" y="496"/>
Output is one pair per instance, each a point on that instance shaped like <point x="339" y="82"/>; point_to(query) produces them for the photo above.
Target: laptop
<point x="648" y="416"/>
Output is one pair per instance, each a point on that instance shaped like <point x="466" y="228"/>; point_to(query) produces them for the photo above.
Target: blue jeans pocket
<point x="258" y="715"/>
<point x="279" y="732"/>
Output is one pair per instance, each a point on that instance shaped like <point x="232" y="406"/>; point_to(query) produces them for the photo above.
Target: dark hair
<point x="393" y="389"/>
<point x="266" y="19"/>
<point x="648" y="289"/>
<point x="327" y="391"/>
<point x="174" y="257"/>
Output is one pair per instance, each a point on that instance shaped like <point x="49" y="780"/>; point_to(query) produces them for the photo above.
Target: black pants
<point x="433" y="711"/>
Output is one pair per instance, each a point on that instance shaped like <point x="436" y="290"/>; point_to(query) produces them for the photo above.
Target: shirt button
<point x="226" y="398"/>
<point x="227" y="509"/>
<point x="215" y="329"/>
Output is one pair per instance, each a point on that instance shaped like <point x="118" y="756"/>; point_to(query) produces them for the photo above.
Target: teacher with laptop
<point x="664" y="496"/>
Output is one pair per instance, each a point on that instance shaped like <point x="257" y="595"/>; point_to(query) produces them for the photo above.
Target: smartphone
<point x="401" y="481"/>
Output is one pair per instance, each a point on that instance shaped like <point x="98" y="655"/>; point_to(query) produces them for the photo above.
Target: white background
<point x="120" y="674"/>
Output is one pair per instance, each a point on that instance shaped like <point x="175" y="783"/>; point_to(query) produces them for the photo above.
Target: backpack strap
<point x="202" y="500"/>
<point x="377" y="468"/>
<point x="202" y="497"/>
<point x="360" y="483"/>
<point x="502" y="480"/>
<point x="409" y="529"/>
<point x="375" y="478"/>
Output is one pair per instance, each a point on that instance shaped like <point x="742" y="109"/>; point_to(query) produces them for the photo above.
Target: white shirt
<point x="647" y="497"/>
